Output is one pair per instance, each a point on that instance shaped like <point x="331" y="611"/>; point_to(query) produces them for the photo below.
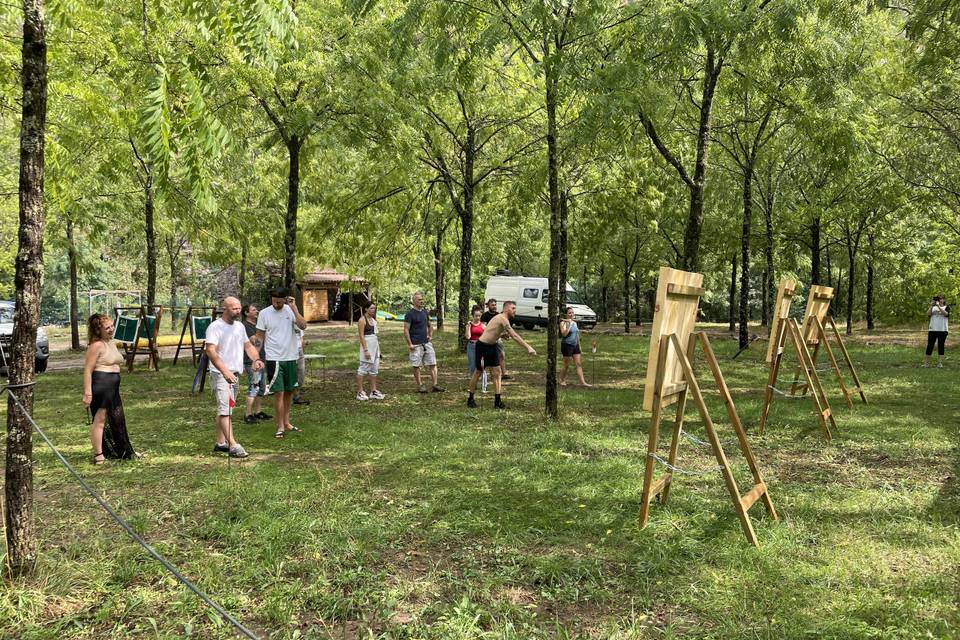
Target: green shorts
<point x="281" y="375"/>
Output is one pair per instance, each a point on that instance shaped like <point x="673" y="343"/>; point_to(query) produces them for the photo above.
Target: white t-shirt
<point x="938" y="321"/>
<point x="229" y="338"/>
<point x="280" y="337"/>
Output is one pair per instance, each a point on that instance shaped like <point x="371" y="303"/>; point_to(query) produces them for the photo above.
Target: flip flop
<point x="278" y="435"/>
<point x="298" y="429"/>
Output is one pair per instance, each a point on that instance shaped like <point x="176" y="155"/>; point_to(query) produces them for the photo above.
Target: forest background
<point x="425" y="144"/>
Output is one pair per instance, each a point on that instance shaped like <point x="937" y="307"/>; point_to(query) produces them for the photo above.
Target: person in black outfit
<point x="256" y="380"/>
<point x="487" y="316"/>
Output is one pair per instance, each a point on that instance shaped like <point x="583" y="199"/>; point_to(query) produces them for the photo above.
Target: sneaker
<point x="471" y="403"/>
<point x="262" y="416"/>
<point x="939" y="365"/>
<point x="300" y="401"/>
<point x="499" y="404"/>
<point x="362" y="396"/>
<point x="238" y="452"/>
<point x="377" y="395"/>
<point x="251" y="419"/>
<point x="221" y="448"/>
<point x="422" y="389"/>
<point x="437" y="389"/>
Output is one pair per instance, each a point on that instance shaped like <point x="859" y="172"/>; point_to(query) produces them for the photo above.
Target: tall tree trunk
<point x="769" y="247"/>
<point x="815" y="251"/>
<point x="172" y="255"/>
<point x="242" y="276"/>
<point x="465" y="211"/>
<point x="18" y="487"/>
<point x="564" y="210"/>
<point x="870" y="276"/>
<point x="691" y="236"/>
<point x="837" y="297"/>
<point x="74" y="286"/>
<point x="733" y="293"/>
<point x="636" y="300"/>
<point x="294" y="146"/>
<point x="745" y="254"/>
<point x="604" y="294"/>
<point x="829" y="268"/>
<point x="151" y="235"/>
<point x="439" y="277"/>
<point x="851" y="280"/>
<point x="626" y="292"/>
<point x="553" y="177"/>
<point x="764" y="308"/>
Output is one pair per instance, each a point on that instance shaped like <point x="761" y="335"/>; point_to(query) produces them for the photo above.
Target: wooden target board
<point x="781" y="311"/>
<point x="818" y="306"/>
<point x="678" y="298"/>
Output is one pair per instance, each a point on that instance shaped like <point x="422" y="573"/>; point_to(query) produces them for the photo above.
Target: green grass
<point x="417" y="518"/>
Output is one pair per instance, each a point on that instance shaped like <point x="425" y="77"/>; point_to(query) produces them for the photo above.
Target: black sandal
<point x="99" y="455"/>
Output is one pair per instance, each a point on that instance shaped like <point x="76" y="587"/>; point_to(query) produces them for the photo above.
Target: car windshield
<point x="574" y="298"/>
<point x="6" y="315"/>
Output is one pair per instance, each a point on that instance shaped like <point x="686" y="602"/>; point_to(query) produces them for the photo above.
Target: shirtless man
<point x="488" y="356"/>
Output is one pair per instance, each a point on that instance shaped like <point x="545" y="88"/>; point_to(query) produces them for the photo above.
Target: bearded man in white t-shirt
<point x="225" y="342"/>
<point x="277" y="331"/>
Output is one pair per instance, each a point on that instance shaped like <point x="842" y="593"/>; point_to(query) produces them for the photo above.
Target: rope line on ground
<point x="683" y="471"/>
<point x="126" y="527"/>
<point x="703" y="443"/>
<point x="785" y="394"/>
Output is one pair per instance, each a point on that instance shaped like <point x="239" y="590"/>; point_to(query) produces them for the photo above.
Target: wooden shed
<point x="319" y="291"/>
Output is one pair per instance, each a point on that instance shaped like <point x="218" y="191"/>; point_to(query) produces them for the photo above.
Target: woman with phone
<point x="937" y="330"/>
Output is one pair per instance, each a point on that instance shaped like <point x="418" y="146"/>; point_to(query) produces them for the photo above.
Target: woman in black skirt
<point x="101" y="392"/>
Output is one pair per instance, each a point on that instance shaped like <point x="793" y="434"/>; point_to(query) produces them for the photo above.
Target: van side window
<point x="546" y="294"/>
<point x="531" y="293"/>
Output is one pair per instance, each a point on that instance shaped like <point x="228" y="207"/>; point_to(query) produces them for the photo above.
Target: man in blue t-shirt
<point x="418" y="332"/>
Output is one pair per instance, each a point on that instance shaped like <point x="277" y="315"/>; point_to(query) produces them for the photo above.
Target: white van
<point x="530" y="294"/>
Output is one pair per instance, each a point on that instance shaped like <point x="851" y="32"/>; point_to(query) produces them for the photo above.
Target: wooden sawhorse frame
<point x="807" y="366"/>
<point x="816" y="335"/>
<point x="669" y="388"/>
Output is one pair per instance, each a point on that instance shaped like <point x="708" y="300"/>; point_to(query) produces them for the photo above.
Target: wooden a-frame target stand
<point x="812" y="334"/>
<point x="670" y="378"/>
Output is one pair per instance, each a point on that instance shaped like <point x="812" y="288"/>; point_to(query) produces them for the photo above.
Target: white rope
<point x="683" y="471"/>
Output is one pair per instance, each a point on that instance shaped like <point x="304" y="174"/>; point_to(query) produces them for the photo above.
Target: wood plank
<point x="753" y="495"/>
<point x="682" y="290"/>
<point x="674" y="314"/>
<point x="781" y="311"/>
<point x="659" y="485"/>
<point x="655" y="419"/>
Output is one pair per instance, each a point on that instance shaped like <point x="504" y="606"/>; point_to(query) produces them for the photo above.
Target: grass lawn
<point x="418" y="518"/>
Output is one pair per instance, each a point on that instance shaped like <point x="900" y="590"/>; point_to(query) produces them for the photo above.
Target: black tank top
<point x="369" y="328"/>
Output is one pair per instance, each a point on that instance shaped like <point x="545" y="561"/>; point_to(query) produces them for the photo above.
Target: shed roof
<point x="331" y="276"/>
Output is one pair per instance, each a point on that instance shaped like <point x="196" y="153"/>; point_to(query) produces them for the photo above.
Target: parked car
<point x="530" y="293"/>
<point x="6" y="339"/>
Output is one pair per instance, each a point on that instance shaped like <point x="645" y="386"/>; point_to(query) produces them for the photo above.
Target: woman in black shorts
<point x="570" y="347"/>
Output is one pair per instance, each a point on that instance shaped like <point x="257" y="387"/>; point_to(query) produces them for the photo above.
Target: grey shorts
<point x="423" y="354"/>
<point x="224" y="392"/>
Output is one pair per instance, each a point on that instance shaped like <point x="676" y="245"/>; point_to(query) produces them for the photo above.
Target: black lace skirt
<point x="106" y="395"/>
